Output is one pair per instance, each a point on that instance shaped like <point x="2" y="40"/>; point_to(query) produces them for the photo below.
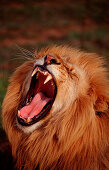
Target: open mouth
<point x="39" y="98"/>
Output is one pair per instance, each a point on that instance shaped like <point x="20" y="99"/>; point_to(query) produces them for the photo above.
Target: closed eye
<point x="54" y="61"/>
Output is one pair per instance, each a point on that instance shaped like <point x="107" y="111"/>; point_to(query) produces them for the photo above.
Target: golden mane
<point x="75" y="137"/>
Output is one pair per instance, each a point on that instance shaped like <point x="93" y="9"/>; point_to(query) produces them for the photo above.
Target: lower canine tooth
<point x="30" y="99"/>
<point x="18" y="113"/>
<point x="28" y="120"/>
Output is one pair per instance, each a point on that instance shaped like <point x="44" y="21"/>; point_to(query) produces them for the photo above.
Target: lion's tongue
<point x="35" y="107"/>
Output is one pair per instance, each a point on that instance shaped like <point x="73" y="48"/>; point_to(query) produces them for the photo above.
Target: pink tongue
<point x="35" y="107"/>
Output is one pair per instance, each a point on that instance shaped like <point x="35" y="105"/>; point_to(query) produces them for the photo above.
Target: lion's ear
<point x="101" y="105"/>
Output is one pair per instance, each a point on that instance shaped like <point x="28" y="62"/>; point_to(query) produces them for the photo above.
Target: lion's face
<point x="51" y="85"/>
<point x="56" y="104"/>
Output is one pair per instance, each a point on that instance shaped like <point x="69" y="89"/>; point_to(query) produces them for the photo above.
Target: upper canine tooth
<point x="49" y="77"/>
<point x="34" y="71"/>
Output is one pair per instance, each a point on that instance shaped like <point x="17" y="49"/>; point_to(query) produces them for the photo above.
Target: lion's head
<point x="55" y="112"/>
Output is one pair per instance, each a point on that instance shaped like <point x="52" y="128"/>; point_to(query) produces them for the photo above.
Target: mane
<point x="76" y="137"/>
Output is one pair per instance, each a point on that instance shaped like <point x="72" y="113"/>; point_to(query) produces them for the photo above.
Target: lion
<point x="55" y="112"/>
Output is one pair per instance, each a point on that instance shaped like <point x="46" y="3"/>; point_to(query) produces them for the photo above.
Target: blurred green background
<point x="33" y="24"/>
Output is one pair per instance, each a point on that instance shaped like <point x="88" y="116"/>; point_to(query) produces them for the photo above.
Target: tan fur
<point x="72" y="136"/>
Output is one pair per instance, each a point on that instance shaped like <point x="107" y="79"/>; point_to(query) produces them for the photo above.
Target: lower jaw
<point x="35" y="119"/>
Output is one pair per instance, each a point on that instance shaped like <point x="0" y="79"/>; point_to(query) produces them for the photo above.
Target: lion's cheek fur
<point x="48" y="147"/>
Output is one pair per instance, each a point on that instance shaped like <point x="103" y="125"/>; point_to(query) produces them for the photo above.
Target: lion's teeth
<point x="18" y="113"/>
<point x="45" y="73"/>
<point x="49" y="77"/>
<point x="37" y="75"/>
<point x="34" y="71"/>
<point x="28" y="120"/>
<point x="30" y="99"/>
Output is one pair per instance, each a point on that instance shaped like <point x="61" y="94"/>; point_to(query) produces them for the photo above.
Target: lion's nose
<point x="49" y="59"/>
<point x="45" y="61"/>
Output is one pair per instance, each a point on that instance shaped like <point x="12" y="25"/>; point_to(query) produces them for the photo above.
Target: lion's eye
<point x="53" y="61"/>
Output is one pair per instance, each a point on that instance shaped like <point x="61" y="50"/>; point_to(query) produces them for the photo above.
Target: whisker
<point x="24" y="50"/>
<point x="26" y="53"/>
<point x="24" y="57"/>
<point x="16" y="58"/>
